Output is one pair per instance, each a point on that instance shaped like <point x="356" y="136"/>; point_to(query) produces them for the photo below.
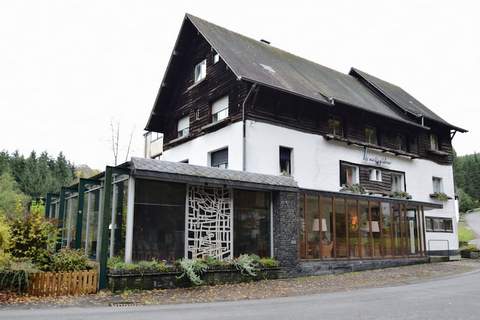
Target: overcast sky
<point x="67" y="68"/>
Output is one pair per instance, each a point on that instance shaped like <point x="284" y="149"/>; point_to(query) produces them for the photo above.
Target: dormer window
<point x="200" y="71"/>
<point x="220" y="109"/>
<point x="371" y="135"/>
<point x="335" y="127"/>
<point x="434" y="142"/>
<point x="183" y="127"/>
<point x="216" y="58"/>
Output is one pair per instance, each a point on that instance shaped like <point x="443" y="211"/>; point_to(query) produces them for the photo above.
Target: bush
<point x="192" y="269"/>
<point x="4" y="235"/>
<point x="70" y="260"/>
<point x="354" y="188"/>
<point x="15" y="272"/>
<point x="33" y="237"/>
<point x="269" y="263"/>
<point x="117" y="264"/>
<point x="246" y="264"/>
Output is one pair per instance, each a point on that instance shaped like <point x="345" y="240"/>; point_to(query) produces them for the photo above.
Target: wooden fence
<point x="63" y="283"/>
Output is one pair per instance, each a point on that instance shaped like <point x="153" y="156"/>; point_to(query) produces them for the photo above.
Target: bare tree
<point x="115" y="128"/>
<point x="115" y="139"/>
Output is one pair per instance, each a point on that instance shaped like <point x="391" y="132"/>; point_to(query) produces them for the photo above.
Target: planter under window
<point x="440" y="196"/>
<point x="118" y="281"/>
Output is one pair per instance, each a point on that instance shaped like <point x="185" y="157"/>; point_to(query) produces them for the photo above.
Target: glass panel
<point x="340" y="229"/>
<point x="312" y="227"/>
<point x="364" y="244"/>
<point x="397" y="235"/>
<point x="120" y="218"/>
<point x="353" y="229"/>
<point x="93" y="223"/>
<point x="251" y="223"/>
<point x="375" y="222"/>
<point x="159" y="221"/>
<point x="387" y="231"/>
<point x="84" y="221"/>
<point x="326" y="227"/>
<point x="302" y="235"/>
<point x="412" y="232"/>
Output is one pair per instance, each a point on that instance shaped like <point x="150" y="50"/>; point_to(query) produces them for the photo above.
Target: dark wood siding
<point x="294" y="112"/>
<point x="190" y="99"/>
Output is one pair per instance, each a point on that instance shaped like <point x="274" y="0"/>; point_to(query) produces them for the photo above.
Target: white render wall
<point x="316" y="164"/>
<point x="197" y="150"/>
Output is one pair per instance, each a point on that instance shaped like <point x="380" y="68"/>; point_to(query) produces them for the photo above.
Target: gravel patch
<point x="252" y="290"/>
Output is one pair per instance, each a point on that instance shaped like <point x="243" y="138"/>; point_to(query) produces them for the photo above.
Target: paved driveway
<point x="456" y="297"/>
<point x="473" y="221"/>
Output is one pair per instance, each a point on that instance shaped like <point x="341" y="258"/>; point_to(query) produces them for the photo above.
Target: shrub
<point x="354" y="188"/>
<point x="33" y="237"/>
<point x="192" y="269"/>
<point x="269" y="263"/>
<point x="15" y="272"/>
<point x="117" y="264"/>
<point x="214" y="263"/>
<point x="70" y="260"/>
<point x="4" y="235"/>
<point x="246" y="264"/>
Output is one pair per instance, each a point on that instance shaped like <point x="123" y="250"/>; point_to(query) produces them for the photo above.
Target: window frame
<point x="219" y="165"/>
<point x="184" y="132"/>
<point x="440" y="184"/>
<point x="434" y="142"/>
<point x="200" y="71"/>
<point x="335" y="123"/>
<point x="290" y="160"/>
<point x="355" y="174"/>
<point x="402" y="182"/>
<point x="432" y="222"/>
<point x="373" y="133"/>
<point x="214" y="116"/>
<point x="377" y="174"/>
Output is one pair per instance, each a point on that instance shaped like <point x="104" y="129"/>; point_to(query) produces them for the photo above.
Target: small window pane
<point x="183" y="126"/>
<point x="216" y="58"/>
<point x="335" y="127"/>
<point x="348" y="175"/>
<point x="437" y="185"/>
<point x="285" y="161"/>
<point x="200" y="71"/>
<point x="433" y="142"/>
<point x="397" y="182"/>
<point x="219" y="159"/>
<point x="371" y="135"/>
<point x="220" y="109"/>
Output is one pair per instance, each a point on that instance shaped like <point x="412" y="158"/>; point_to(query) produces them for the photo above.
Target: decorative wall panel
<point x="209" y="222"/>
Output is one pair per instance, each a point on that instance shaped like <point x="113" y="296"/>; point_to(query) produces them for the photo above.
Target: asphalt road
<point x="450" y="298"/>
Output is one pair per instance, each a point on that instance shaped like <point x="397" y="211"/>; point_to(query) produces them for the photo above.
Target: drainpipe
<point x="244" y="133"/>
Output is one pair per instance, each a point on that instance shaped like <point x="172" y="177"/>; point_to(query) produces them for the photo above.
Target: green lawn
<point x="465" y="234"/>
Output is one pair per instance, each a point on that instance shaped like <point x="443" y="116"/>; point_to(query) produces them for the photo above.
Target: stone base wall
<point x="329" y="267"/>
<point x="443" y="253"/>
<point x="285" y="229"/>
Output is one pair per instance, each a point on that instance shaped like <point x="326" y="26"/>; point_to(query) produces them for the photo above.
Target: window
<point x="371" y="135"/>
<point x="159" y="221"/>
<point x="401" y="142"/>
<point x="348" y="175"/>
<point x="156" y="136"/>
<point x="197" y="114"/>
<point x="398" y="184"/>
<point x="433" y="224"/>
<point x="437" y="185"/>
<point x="285" y="161"/>
<point x="183" y="127"/>
<point x="434" y="142"/>
<point x="335" y="127"/>
<point x="220" y="109"/>
<point x="216" y="58"/>
<point x="200" y="71"/>
<point x="375" y="175"/>
<point x="219" y="159"/>
<point x="251" y="223"/>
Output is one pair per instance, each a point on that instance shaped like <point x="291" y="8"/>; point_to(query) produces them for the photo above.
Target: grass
<point x="465" y="234"/>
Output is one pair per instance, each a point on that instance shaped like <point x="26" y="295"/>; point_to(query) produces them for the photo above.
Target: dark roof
<point x="183" y="172"/>
<point x="262" y="63"/>
<point x="401" y="98"/>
